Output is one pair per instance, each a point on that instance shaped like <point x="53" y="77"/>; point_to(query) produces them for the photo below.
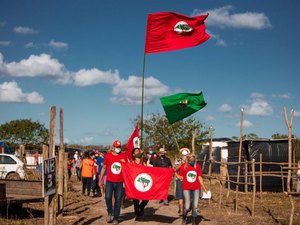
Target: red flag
<point x="167" y="31"/>
<point x="146" y="183"/>
<point x="133" y="142"/>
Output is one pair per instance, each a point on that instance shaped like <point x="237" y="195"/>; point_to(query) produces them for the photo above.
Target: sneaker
<point x="115" y="222"/>
<point x="109" y="218"/>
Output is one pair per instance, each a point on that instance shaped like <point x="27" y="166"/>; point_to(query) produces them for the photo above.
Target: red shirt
<point x="114" y="166"/>
<point x="95" y="167"/>
<point x="190" y="176"/>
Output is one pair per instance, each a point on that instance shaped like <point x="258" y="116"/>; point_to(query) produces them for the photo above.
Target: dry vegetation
<point x="272" y="208"/>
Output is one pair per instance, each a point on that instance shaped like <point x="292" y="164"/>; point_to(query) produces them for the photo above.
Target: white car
<point x="11" y="167"/>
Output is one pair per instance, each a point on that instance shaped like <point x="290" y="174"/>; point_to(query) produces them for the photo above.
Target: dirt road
<point x="272" y="208"/>
<point x="83" y="210"/>
<point x="92" y="210"/>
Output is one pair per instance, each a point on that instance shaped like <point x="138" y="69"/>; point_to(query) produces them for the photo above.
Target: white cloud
<point x="5" y="43"/>
<point x="44" y="65"/>
<point x="220" y="42"/>
<point x="297" y="113"/>
<point x="35" y="65"/>
<point x="223" y="17"/>
<point x="283" y="96"/>
<point x="86" y="140"/>
<point x="258" y="106"/>
<point x="225" y="108"/>
<point x="30" y="45"/>
<point x="94" y="76"/>
<point x="58" y="45"/>
<point x="11" y="92"/>
<point x="256" y="95"/>
<point x="125" y="91"/>
<point x="210" y="118"/>
<point x="130" y="91"/>
<point x="25" y="30"/>
<point x="246" y="123"/>
<point x="67" y="140"/>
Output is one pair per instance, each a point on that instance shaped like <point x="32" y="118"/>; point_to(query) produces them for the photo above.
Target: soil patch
<point x="272" y="208"/>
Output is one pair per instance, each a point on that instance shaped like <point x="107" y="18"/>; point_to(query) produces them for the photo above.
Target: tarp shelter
<point x="272" y="150"/>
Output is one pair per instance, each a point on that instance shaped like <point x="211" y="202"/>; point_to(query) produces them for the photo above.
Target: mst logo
<point x="182" y="105"/>
<point x="182" y="28"/>
<point x="143" y="182"/>
<point x="191" y="176"/>
<point x="116" y="168"/>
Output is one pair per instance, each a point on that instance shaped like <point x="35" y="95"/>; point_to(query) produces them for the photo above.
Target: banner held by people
<point x="168" y="31"/>
<point x="182" y="105"/>
<point x="146" y="183"/>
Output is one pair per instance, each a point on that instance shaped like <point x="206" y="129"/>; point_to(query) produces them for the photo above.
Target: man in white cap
<point x="165" y="162"/>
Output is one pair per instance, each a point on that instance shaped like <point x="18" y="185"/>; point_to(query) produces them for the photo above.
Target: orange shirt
<point x="87" y="166"/>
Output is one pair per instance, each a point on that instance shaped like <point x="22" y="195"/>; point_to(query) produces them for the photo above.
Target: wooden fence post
<point x="289" y="127"/>
<point x="246" y="176"/>
<point x="65" y="166"/>
<point x="239" y="160"/>
<point x="51" y="220"/>
<point x="61" y="160"/>
<point x="254" y="186"/>
<point x="260" y="176"/>
<point x="45" y="149"/>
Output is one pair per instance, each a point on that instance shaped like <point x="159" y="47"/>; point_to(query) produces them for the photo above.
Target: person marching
<point x="165" y="162"/>
<point x="191" y="175"/>
<point x="114" y="181"/>
<point x="137" y="157"/>
<point x="178" y="191"/>
<point x="87" y="172"/>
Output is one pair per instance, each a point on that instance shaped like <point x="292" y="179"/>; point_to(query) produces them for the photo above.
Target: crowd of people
<point x="100" y="174"/>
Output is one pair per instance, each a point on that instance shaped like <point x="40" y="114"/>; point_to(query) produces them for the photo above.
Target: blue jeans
<point x="191" y="198"/>
<point x="117" y="189"/>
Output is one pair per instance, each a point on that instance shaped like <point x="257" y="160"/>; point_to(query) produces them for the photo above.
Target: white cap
<point x="185" y="151"/>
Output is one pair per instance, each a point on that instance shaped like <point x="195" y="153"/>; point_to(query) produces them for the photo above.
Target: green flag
<point x="180" y="106"/>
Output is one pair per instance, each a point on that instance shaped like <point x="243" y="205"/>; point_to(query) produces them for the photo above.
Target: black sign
<point x="49" y="176"/>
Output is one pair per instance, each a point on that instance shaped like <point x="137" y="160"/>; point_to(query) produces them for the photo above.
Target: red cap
<point x="117" y="143"/>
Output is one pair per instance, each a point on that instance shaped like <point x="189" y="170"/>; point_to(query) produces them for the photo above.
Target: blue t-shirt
<point x="99" y="162"/>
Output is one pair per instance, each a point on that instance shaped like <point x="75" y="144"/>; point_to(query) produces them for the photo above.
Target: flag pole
<point x="142" y="105"/>
<point x="177" y="145"/>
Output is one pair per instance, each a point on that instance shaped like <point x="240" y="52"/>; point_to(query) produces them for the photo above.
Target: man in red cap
<point x="114" y="181"/>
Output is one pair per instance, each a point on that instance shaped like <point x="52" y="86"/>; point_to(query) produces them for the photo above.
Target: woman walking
<point x="191" y="175"/>
<point x="179" y="192"/>
<point x="87" y="172"/>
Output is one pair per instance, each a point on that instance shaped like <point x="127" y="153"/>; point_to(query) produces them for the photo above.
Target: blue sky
<point x="87" y="56"/>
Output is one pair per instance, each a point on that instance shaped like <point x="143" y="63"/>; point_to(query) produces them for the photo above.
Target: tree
<point x="157" y="132"/>
<point x="279" y="136"/>
<point x="24" y="131"/>
<point x="250" y="136"/>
